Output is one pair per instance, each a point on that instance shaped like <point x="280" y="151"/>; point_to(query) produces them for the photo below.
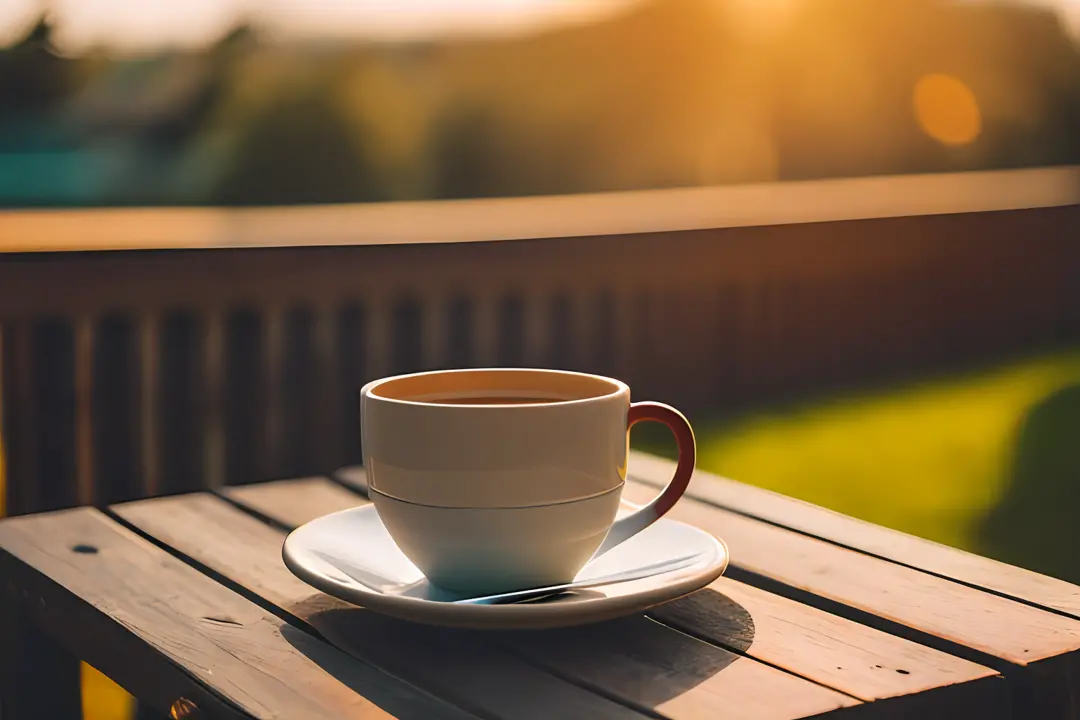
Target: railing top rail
<point x="490" y="219"/>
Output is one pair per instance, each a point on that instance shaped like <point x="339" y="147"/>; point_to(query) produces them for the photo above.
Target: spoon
<point x="517" y="596"/>
<point x="376" y="583"/>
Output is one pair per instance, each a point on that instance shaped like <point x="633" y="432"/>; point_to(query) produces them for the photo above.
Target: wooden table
<point x="184" y="600"/>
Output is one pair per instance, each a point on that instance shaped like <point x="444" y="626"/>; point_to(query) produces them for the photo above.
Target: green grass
<point x="932" y="458"/>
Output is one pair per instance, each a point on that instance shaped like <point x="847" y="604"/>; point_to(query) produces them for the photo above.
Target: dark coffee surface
<point x="494" y="400"/>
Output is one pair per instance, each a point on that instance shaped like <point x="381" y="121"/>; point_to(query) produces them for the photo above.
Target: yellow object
<point x="102" y="698"/>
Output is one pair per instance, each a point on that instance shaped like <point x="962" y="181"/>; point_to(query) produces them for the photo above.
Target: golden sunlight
<point x="762" y="17"/>
<point x="947" y="109"/>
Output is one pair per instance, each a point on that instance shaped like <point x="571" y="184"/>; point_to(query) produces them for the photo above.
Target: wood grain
<point x="165" y="631"/>
<point x="866" y="537"/>
<point x="643" y="664"/>
<point x="673" y="673"/>
<point x="453" y="665"/>
<point x="293" y="502"/>
<point x="1036" y="649"/>
<point x="833" y="651"/>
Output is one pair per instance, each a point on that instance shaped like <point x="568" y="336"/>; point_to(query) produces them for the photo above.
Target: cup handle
<point x="625" y="528"/>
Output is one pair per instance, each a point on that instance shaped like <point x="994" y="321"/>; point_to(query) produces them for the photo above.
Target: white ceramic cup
<point x="497" y="479"/>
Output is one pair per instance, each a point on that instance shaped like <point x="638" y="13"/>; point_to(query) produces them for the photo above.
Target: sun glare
<point x="947" y="109"/>
<point x="761" y="16"/>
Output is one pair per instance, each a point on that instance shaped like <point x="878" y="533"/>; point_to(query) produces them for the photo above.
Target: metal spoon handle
<point x="625" y="576"/>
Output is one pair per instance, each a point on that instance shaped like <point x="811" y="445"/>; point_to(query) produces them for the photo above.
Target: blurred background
<point x="117" y="102"/>
<point x="921" y="373"/>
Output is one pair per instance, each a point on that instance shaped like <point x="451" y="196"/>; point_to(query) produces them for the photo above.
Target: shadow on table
<point x="636" y="659"/>
<point x="1036" y="524"/>
<point x="392" y="694"/>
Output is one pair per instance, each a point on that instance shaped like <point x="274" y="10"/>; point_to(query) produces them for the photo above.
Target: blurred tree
<point x="466" y="160"/>
<point x="33" y="79"/>
<point x="299" y="149"/>
<point x="189" y="118"/>
<point x="661" y="93"/>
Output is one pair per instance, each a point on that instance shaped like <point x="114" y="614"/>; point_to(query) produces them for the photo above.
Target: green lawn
<point x="931" y="458"/>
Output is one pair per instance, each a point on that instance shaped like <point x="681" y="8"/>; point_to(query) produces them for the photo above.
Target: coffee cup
<point x="497" y="479"/>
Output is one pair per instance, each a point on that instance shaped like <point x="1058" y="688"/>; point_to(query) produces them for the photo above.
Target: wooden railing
<point x="230" y="345"/>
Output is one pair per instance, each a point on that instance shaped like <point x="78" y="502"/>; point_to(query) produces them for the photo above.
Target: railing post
<point x="536" y="331"/>
<point x="624" y="350"/>
<point x="84" y="411"/>
<point x="378" y="336"/>
<point x="213" y="390"/>
<point x="328" y="392"/>
<point x="485" y="324"/>
<point x="273" y="352"/>
<point x="149" y="379"/>
<point x="433" y="330"/>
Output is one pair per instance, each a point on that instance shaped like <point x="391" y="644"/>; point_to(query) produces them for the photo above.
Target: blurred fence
<point x="180" y="366"/>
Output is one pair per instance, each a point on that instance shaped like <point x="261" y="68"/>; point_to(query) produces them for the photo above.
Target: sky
<point x="140" y="25"/>
<point x="143" y="24"/>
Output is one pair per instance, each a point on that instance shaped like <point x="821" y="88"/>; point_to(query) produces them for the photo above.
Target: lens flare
<point x="947" y="109"/>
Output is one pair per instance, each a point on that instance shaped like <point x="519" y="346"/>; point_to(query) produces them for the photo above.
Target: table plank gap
<point x="572" y="653"/>
<point x="993" y="576"/>
<point x="450" y="664"/>
<point x="804" y="639"/>
<point x="290" y="503"/>
<point x="982" y="627"/>
<point x="354" y="478"/>
<point x="675" y="675"/>
<point x="870" y="645"/>
<point x="733" y="648"/>
<point x="209" y="572"/>
<point x="165" y="631"/>
<point x="600" y="689"/>
<point x="869" y="619"/>
<point x="887" y="558"/>
<point x="988" y="697"/>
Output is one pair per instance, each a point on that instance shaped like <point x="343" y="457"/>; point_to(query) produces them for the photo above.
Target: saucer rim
<point x="510" y="616"/>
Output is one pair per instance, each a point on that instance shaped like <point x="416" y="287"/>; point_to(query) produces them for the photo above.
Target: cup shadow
<point x="395" y="696"/>
<point x="709" y="613"/>
<point x="640" y="660"/>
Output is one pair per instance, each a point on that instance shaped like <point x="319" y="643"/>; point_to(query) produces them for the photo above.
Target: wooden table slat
<point x="248" y="552"/>
<point x="932" y="557"/>
<point x="836" y="652"/>
<point x="164" y="630"/>
<point x="871" y="588"/>
<point x="644" y="664"/>
<point x="987" y="628"/>
<point x="293" y="502"/>
<point x="805" y="640"/>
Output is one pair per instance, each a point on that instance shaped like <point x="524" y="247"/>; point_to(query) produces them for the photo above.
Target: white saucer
<point x="350" y="555"/>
